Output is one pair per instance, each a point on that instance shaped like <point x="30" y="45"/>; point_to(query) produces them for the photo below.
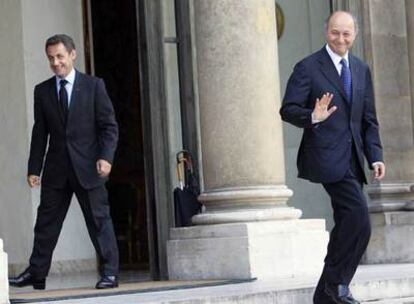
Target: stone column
<point x="247" y="229"/>
<point x="4" y="284"/>
<point x="389" y="47"/>
<point x="241" y="132"/>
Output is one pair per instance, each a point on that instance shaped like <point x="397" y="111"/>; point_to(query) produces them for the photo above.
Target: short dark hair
<point x="66" y="40"/>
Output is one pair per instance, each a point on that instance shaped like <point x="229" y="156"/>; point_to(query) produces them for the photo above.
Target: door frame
<point x="156" y="145"/>
<point x="158" y="183"/>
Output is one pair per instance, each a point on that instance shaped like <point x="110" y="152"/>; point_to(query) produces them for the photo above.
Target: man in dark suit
<point x="74" y="117"/>
<point x="330" y="96"/>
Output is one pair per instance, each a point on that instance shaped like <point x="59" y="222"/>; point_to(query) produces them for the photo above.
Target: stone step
<point x="409" y="300"/>
<point x="373" y="284"/>
<point x="386" y="281"/>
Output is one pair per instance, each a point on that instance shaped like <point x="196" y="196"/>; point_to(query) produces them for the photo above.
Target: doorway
<point x="114" y="58"/>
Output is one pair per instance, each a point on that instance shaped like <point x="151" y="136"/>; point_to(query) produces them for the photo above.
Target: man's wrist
<point x="314" y="120"/>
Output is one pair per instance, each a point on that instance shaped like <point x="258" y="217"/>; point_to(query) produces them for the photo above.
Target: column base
<point x="390" y="233"/>
<point x="270" y="249"/>
<point x="246" y="204"/>
<point x="255" y="215"/>
<point x="4" y="283"/>
<point x="388" y="197"/>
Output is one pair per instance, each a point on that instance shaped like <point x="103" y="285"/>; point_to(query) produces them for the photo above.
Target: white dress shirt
<point x="336" y="59"/>
<point x="69" y="86"/>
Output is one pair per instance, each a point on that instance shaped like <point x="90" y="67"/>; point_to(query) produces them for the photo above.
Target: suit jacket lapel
<point x="355" y="74"/>
<point x="353" y="65"/>
<point x="330" y="72"/>
<point x="55" y="100"/>
<point x="75" y="93"/>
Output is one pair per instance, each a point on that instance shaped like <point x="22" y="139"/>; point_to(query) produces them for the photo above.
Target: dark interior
<point x="115" y="59"/>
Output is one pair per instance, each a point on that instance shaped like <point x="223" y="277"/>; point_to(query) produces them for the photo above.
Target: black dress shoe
<point x="26" y="279"/>
<point x="340" y="294"/>
<point x="107" y="282"/>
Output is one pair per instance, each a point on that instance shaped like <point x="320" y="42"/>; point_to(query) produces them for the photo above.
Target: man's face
<point x="60" y="60"/>
<point x="340" y="33"/>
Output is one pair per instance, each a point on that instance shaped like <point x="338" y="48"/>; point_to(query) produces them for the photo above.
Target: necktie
<point x="63" y="96"/>
<point x="346" y="79"/>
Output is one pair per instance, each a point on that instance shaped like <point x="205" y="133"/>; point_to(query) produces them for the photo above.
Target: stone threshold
<point x="382" y="284"/>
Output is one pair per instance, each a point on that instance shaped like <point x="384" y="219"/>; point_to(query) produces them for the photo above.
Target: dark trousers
<point x="54" y="204"/>
<point x="350" y="235"/>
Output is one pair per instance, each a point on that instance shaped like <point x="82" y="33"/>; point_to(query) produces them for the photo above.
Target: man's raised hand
<point x="322" y="110"/>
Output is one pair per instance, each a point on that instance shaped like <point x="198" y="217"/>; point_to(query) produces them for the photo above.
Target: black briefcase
<point x="186" y="204"/>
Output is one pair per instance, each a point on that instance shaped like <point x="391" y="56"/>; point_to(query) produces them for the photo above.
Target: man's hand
<point x="379" y="171"/>
<point x="322" y="110"/>
<point x="103" y="167"/>
<point x="33" y="180"/>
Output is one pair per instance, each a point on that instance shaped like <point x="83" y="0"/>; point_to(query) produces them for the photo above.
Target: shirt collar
<point x="70" y="78"/>
<point x="335" y="57"/>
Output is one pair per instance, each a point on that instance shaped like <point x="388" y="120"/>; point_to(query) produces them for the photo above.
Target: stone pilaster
<point x="4" y="284"/>
<point x="388" y="31"/>
<point x="247" y="229"/>
<point x="387" y="39"/>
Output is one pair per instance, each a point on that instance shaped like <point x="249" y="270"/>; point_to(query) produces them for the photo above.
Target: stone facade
<point x="389" y="239"/>
<point x="389" y="49"/>
<point x="247" y="229"/>
<point x="22" y="38"/>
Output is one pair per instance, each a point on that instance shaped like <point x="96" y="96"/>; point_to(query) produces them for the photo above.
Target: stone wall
<point x="4" y="285"/>
<point x="22" y="37"/>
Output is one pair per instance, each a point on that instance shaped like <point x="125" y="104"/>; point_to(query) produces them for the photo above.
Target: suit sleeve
<point x="369" y="127"/>
<point x="106" y="123"/>
<point x="39" y="137"/>
<point x="294" y="106"/>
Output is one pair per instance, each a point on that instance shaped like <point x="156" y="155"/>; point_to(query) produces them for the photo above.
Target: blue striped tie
<point x="346" y="79"/>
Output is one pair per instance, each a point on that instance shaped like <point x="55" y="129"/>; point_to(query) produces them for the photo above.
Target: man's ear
<point x="73" y="54"/>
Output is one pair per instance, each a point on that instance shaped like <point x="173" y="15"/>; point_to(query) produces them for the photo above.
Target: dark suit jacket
<point x="89" y="132"/>
<point x="326" y="148"/>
